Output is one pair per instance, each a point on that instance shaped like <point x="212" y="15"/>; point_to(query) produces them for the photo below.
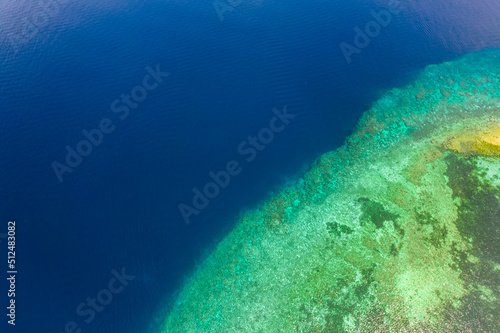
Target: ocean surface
<point x="230" y="65"/>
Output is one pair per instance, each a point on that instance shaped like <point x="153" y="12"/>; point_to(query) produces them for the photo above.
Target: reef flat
<point x="396" y="231"/>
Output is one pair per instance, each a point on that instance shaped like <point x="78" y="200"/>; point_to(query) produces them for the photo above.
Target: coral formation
<point x="396" y="231"/>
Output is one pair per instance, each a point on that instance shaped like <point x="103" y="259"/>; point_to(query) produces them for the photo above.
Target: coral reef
<point x="396" y="231"/>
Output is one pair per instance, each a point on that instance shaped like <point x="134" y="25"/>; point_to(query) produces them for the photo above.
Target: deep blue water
<point x="118" y="208"/>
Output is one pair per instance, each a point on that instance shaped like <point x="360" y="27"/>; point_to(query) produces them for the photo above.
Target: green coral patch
<point x="375" y="212"/>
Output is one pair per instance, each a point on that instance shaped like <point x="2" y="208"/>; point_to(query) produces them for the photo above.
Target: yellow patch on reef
<point x="493" y="136"/>
<point x="483" y="141"/>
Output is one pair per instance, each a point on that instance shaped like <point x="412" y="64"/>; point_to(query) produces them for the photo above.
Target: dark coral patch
<point x="375" y="212"/>
<point x="337" y="229"/>
<point x="479" y="209"/>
